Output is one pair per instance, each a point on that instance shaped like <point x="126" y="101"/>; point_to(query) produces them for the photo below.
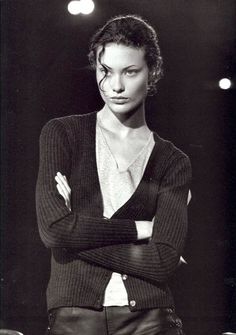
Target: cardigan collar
<point x="152" y="174"/>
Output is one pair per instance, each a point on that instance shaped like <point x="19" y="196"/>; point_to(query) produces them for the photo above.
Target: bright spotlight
<point x="225" y="83"/>
<point x="74" y="7"/>
<point x="86" y="6"/>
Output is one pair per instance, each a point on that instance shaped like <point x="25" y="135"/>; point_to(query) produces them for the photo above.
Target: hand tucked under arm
<point x="58" y="226"/>
<point x="157" y="259"/>
<point x="64" y="189"/>
<point x="144" y="229"/>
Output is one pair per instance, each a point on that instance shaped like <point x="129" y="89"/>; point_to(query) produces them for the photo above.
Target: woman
<point x="116" y="220"/>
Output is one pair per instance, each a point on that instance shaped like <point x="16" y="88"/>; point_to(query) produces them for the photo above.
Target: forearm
<point x="147" y="261"/>
<point x="157" y="259"/>
<point x="58" y="226"/>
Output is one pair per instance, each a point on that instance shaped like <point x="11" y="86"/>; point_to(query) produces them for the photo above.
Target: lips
<point x="119" y="100"/>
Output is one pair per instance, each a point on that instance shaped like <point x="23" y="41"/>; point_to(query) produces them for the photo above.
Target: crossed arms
<point x="111" y="243"/>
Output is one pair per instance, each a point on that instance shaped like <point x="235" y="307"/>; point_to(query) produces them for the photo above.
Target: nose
<point x="117" y="84"/>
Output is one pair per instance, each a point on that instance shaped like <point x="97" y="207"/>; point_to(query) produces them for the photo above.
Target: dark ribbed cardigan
<point x="86" y="247"/>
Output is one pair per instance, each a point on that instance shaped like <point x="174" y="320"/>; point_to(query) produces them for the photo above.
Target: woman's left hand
<point x="64" y="188"/>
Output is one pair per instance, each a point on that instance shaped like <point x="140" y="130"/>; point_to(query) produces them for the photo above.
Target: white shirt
<point x="117" y="186"/>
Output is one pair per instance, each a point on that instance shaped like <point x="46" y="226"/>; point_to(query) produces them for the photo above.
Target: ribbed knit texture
<point x="87" y="248"/>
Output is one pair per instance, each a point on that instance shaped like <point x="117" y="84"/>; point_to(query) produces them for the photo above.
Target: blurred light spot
<point x="74" y="7"/>
<point x="86" y="6"/>
<point x="225" y="83"/>
<point x="81" y="7"/>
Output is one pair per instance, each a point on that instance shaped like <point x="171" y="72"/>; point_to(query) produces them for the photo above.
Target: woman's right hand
<point x="64" y="189"/>
<point x="144" y="229"/>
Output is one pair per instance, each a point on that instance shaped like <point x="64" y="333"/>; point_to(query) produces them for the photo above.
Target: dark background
<point x="45" y="74"/>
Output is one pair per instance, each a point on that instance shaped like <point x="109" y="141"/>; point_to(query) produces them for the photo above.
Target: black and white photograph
<point x="118" y="160"/>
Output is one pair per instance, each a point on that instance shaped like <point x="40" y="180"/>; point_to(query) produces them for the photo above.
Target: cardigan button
<point x="132" y="303"/>
<point x="124" y="277"/>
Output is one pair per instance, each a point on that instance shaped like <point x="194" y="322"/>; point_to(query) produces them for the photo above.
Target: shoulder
<point x="71" y="120"/>
<point x="167" y="148"/>
<point x="172" y="159"/>
<point x="69" y="125"/>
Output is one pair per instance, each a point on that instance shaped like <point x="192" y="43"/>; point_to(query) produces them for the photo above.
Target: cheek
<point x="140" y="87"/>
<point x="98" y="78"/>
<point x="101" y="82"/>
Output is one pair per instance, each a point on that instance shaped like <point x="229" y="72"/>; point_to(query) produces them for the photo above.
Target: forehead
<point x="121" y="56"/>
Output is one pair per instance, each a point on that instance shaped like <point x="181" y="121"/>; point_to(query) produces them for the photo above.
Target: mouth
<point x="119" y="100"/>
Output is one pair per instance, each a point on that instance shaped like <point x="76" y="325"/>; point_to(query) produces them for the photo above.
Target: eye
<point x="102" y="70"/>
<point x="131" y="72"/>
<point x="105" y="71"/>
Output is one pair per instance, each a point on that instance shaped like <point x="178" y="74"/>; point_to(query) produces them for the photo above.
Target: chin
<point x="124" y="109"/>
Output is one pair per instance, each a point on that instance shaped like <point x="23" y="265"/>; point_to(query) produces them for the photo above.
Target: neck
<point x="123" y="123"/>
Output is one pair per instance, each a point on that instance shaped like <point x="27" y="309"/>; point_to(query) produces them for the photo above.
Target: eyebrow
<point x="106" y="66"/>
<point x="125" y="68"/>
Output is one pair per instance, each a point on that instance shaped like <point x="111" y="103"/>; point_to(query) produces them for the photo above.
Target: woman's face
<point x="124" y="88"/>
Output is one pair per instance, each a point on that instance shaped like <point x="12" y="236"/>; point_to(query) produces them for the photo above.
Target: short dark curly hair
<point x="134" y="31"/>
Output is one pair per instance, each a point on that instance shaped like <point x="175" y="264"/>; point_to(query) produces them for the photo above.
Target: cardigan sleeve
<point x="159" y="258"/>
<point x="58" y="227"/>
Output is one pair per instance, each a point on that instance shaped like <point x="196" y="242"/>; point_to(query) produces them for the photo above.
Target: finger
<point x="189" y="197"/>
<point x="61" y="181"/>
<point x="65" y="187"/>
<point x="63" y="191"/>
<point x="67" y="184"/>
<point x="67" y="201"/>
<point x="60" y="176"/>
<point x="64" y="181"/>
<point x="68" y="205"/>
